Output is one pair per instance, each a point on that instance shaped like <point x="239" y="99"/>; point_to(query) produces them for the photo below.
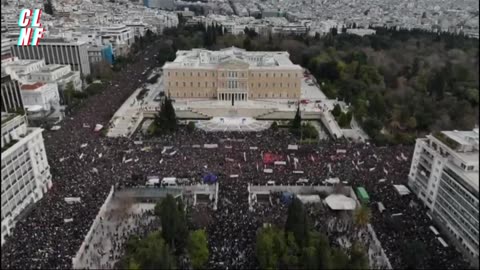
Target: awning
<point x="402" y="190"/>
<point x="309" y="198"/>
<point x="340" y="202"/>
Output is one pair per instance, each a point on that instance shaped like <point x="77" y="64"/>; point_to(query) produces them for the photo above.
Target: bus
<point x="362" y="195"/>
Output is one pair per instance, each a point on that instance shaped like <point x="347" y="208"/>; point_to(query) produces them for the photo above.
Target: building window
<point x="191" y="74"/>
<point x="273" y="83"/>
<point x="198" y="84"/>
<point x="198" y="74"/>
<point x="206" y="84"/>
<point x="259" y="75"/>
<point x="289" y="75"/>
<point x="183" y="73"/>
<point x="176" y="83"/>
<point x="266" y="75"/>
<point x="168" y="73"/>
<point x="191" y="84"/>
<point x="184" y="84"/>
<point x="176" y="73"/>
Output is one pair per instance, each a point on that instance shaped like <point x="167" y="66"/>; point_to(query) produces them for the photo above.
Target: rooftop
<point x="32" y="86"/>
<point x="205" y="58"/>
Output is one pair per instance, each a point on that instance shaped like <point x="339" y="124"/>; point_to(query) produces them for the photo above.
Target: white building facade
<point x="40" y="94"/>
<point x="444" y="175"/>
<point x="25" y="170"/>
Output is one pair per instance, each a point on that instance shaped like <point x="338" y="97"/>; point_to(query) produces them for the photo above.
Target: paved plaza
<point x="116" y="225"/>
<point x="233" y="124"/>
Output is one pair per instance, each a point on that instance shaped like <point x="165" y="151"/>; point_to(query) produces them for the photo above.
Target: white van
<point x="302" y="181"/>
<point x="152" y="181"/>
<point x="169" y="181"/>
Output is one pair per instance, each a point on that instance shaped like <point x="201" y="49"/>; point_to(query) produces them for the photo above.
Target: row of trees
<point x="298" y="246"/>
<point x="160" y="249"/>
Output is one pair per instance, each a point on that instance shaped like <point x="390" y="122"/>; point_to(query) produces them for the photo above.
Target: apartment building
<point x="444" y="175"/>
<point x="11" y="95"/>
<point x="25" y="170"/>
<point x="57" y="51"/>
<point x="40" y="94"/>
<point x="232" y="73"/>
<point x="120" y="37"/>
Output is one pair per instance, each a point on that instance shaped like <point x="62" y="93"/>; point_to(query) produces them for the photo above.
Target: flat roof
<point x="198" y="58"/>
<point x="32" y="86"/>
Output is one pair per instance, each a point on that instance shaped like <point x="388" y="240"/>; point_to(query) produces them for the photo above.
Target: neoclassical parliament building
<point x="232" y="73"/>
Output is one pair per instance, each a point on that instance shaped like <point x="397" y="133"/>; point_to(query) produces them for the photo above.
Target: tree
<point x="181" y="229"/>
<point x="308" y="258"/>
<point x="361" y="218"/>
<point x="166" y="119"/>
<point x="337" y="110"/>
<point x="169" y="217"/>
<point x="191" y="126"/>
<point x="274" y="126"/>
<point x="297" y="223"/>
<point x="297" y="121"/>
<point x="290" y="256"/>
<point x="68" y="93"/>
<point x="149" y="253"/>
<point x="412" y="123"/>
<point x="198" y="248"/>
<point x="48" y="7"/>
<point x="247" y="44"/>
<point x="323" y="252"/>
<point x="358" y="257"/>
<point x="339" y="260"/>
<point x="266" y="251"/>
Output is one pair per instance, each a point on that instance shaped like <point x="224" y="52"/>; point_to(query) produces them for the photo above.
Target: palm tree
<point x="361" y="218"/>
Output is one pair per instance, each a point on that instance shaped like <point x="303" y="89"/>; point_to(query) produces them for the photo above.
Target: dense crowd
<point x="85" y="164"/>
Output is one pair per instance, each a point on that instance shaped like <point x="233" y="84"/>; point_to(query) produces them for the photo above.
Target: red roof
<point x="32" y="86"/>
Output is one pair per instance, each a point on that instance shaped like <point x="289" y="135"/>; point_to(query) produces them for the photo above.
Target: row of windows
<point x="191" y="84"/>
<point x="443" y="221"/>
<point x="455" y="192"/>
<point x="272" y="95"/>
<point x="465" y="216"/>
<point x="234" y="74"/>
<point x="14" y="156"/>
<point x="458" y="186"/>
<point x="454" y="220"/>
<point x="19" y="177"/>
<point x="234" y="84"/>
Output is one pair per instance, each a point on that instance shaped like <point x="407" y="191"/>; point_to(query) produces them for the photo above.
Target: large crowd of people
<point x="85" y="164"/>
